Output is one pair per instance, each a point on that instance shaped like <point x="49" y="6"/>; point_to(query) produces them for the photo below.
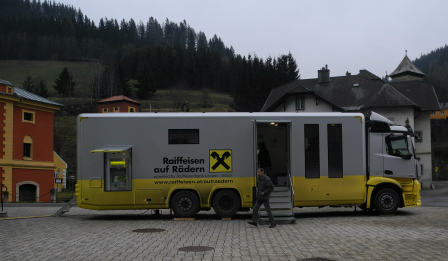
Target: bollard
<point x="3" y="214"/>
<point x="5" y="196"/>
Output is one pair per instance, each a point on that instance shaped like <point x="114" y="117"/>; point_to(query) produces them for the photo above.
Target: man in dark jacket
<point x="264" y="189"/>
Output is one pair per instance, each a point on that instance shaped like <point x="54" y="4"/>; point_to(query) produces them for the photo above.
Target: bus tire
<point x="386" y="201"/>
<point x="226" y="203"/>
<point x="185" y="204"/>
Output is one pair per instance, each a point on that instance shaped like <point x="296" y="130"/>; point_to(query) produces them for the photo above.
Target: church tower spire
<point x="406" y="71"/>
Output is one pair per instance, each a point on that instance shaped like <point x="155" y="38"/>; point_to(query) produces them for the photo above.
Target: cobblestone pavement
<point x="333" y="233"/>
<point x="419" y="233"/>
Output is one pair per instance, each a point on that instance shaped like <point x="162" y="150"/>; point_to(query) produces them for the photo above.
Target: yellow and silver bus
<point x="189" y="162"/>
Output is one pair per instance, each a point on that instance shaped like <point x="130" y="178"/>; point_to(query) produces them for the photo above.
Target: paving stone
<point x="336" y="234"/>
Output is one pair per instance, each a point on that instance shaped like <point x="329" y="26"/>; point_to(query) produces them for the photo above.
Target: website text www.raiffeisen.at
<point x="186" y="182"/>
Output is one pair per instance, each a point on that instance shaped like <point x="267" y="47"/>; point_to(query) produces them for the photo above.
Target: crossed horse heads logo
<point x="220" y="160"/>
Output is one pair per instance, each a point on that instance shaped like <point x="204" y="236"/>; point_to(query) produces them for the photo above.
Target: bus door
<point x="398" y="157"/>
<point x="273" y="146"/>
<point x="117" y="175"/>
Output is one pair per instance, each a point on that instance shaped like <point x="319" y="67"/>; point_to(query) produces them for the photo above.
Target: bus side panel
<point x="323" y="189"/>
<point x="154" y="160"/>
<point x="329" y="192"/>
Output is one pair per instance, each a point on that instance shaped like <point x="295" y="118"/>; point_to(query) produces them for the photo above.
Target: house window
<point x="131" y="109"/>
<point x="116" y="109"/>
<point x="300" y="103"/>
<point x="105" y="110"/>
<point x="9" y="90"/>
<point x="442" y="113"/>
<point x="27" y="148"/>
<point x="433" y="113"/>
<point x="28" y="116"/>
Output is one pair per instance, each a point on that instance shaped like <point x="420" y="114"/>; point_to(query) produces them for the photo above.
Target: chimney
<point x="323" y="75"/>
<point x="348" y="74"/>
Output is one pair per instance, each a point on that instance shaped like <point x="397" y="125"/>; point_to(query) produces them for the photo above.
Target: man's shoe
<point x="253" y="223"/>
<point x="272" y="225"/>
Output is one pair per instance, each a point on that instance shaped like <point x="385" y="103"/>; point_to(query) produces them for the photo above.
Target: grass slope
<point x="15" y="71"/>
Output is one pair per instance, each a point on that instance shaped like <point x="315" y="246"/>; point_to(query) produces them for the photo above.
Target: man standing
<point x="265" y="187"/>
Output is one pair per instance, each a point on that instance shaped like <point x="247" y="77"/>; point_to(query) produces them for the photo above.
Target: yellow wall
<point x="61" y="169"/>
<point x="439" y="115"/>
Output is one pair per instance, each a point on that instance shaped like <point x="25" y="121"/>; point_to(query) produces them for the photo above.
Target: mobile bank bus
<point x="197" y="161"/>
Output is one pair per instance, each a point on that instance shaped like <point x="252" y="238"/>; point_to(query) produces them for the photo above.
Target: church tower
<point x="406" y="71"/>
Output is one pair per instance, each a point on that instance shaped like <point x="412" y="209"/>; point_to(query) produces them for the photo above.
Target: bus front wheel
<point x="386" y="201"/>
<point x="226" y="203"/>
<point x="185" y="204"/>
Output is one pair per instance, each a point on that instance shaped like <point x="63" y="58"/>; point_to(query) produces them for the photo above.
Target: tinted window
<point x="334" y="132"/>
<point x="312" y="163"/>
<point x="186" y="136"/>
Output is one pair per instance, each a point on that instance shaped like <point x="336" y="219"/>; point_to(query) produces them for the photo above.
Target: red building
<point x="26" y="162"/>
<point x="118" y="103"/>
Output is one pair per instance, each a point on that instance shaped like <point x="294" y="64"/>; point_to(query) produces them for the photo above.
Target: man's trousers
<point x="257" y="208"/>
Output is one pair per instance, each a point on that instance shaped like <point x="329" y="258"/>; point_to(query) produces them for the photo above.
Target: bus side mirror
<point x="406" y="157"/>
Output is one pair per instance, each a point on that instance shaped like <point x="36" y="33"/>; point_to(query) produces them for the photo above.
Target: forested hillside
<point x="435" y="66"/>
<point x="139" y="58"/>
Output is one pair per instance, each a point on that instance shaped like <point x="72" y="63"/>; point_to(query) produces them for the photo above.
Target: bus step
<point x="280" y="219"/>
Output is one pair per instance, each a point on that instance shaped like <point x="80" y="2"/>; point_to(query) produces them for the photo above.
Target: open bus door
<point x="273" y="147"/>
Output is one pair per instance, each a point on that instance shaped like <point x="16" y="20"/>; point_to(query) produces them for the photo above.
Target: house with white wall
<point x="406" y="99"/>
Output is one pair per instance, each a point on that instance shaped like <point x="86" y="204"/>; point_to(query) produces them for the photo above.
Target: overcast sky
<point x="346" y="35"/>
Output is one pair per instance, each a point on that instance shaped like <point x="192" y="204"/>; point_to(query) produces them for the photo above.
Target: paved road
<point x="331" y="233"/>
<point x="436" y="197"/>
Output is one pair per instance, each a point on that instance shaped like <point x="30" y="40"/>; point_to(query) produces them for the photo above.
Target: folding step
<point x="281" y="188"/>
<point x="279" y="199"/>
<point x="280" y="194"/>
<point x="279" y="205"/>
<point x="278" y="216"/>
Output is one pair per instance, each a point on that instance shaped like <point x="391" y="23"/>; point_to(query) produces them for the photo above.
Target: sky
<point x="348" y="36"/>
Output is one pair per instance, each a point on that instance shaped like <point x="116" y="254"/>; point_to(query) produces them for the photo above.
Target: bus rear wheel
<point x="226" y="203"/>
<point x="386" y="201"/>
<point x="185" y="204"/>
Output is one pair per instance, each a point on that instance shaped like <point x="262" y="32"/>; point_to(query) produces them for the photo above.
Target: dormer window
<point x="300" y="103"/>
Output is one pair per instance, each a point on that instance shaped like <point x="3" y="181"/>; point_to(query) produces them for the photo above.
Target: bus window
<point x="397" y="146"/>
<point x="312" y="162"/>
<point x="334" y="132"/>
<point x="183" y="136"/>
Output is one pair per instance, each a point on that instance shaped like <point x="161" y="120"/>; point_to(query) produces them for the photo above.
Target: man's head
<point x="260" y="172"/>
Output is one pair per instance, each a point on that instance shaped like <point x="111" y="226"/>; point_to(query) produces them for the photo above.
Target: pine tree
<point x="41" y="88"/>
<point x="28" y="84"/>
<point x="64" y="85"/>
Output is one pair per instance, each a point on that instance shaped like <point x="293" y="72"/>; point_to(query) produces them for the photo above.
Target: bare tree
<point x="179" y="95"/>
<point x="206" y="98"/>
<point x="96" y="70"/>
